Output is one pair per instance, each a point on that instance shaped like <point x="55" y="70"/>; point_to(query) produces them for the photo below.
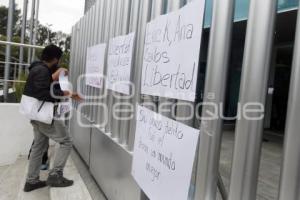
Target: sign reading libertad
<point x="171" y="54"/>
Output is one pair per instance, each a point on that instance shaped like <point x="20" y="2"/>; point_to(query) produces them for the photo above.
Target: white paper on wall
<point x="171" y="53"/>
<point x="163" y="157"/>
<point x="64" y="82"/>
<point x="119" y="62"/>
<point x="95" y="65"/>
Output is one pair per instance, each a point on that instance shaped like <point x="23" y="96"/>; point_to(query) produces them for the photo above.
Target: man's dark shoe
<point x="59" y="181"/>
<point x="34" y="186"/>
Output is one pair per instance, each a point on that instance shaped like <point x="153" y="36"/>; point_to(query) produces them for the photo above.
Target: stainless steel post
<point x="83" y="58"/>
<point x="100" y="39"/>
<point x="157" y="9"/>
<point x="115" y="123"/>
<point x="97" y="40"/>
<point x="255" y="72"/>
<point x="166" y="104"/>
<point x="36" y="28"/>
<point x="103" y="115"/>
<point x="84" y="47"/>
<point x="72" y="56"/>
<point x="144" y="17"/>
<point x="23" y="32"/>
<point x="184" y="109"/>
<point x="9" y="34"/>
<point x="92" y="43"/>
<point x="109" y="99"/>
<point x="88" y="44"/>
<point x="290" y="175"/>
<point x="124" y="27"/>
<point x="133" y="7"/>
<point x="31" y="26"/>
<point x="216" y="79"/>
<point x="77" y="57"/>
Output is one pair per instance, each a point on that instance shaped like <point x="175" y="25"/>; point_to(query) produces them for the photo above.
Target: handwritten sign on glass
<point x="94" y="65"/>
<point x="171" y="53"/>
<point x="119" y="63"/>
<point x="163" y="157"/>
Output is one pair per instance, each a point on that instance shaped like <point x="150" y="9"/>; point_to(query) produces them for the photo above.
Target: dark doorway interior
<point x="281" y="84"/>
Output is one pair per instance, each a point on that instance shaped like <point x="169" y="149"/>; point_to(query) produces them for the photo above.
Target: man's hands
<point x="55" y="76"/>
<point x="73" y="95"/>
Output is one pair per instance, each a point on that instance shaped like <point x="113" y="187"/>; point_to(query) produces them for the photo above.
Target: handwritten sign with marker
<point x="94" y="65"/>
<point x="171" y="53"/>
<point x="163" y="157"/>
<point x="64" y="82"/>
<point x="119" y="63"/>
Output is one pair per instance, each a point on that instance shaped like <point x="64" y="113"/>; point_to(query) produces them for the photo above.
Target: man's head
<point x="51" y="55"/>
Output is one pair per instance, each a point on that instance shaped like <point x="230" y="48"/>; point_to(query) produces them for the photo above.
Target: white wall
<point x="16" y="134"/>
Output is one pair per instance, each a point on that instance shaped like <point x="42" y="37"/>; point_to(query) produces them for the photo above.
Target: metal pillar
<point x="216" y="79"/>
<point x="31" y="29"/>
<point x="125" y="23"/>
<point x="184" y="109"/>
<point x="166" y="109"/>
<point x="91" y="18"/>
<point x="255" y="72"/>
<point x="157" y="10"/>
<point x="36" y="23"/>
<point x="144" y="17"/>
<point x="8" y="48"/>
<point x="290" y="175"/>
<point x="23" y="32"/>
<point x="109" y="99"/>
<point x="97" y="39"/>
<point x="103" y="115"/>
<point x="132" y="27"/>
<point x="115" y="123"/>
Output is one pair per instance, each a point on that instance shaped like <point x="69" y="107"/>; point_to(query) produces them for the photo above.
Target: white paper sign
<point x="171" y="53"/>
<point x="64" y="82"/>
<point x="64" y="106"/>
<point x="94" y="65"/>
<point x="119" y="63"/>
<point x="163" y="157"/>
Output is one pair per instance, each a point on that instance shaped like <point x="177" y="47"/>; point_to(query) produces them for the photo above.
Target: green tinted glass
<point x="242" y="8"/>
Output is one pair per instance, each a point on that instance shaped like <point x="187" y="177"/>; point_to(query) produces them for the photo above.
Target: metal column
<point x="172" y="6"/>
<point x="23" y="32"/>
<point x="290" y="175"/>
<point x="185" y="109"/>
<point x="149" y="101"/>
<point x="133" y="27"/>
<point x="97" y="40"/>
<point x="91" y="32"/>
<point x="216" y="79"/>
<point x="103" y="115"/>
<point x="128" y="16"/>
<point x="36" y="28"/>
<point x="9" y="33"/>
<point x="115" y="123"/>
<point x="109" y="99"/>
<point x="101" y="37"/>
<point x="255" y="72"/>
<point x="31" y="29"/>
<point x="144" y="17"/>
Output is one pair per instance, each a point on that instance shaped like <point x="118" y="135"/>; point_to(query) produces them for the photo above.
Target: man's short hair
<point x="51" y="52"/>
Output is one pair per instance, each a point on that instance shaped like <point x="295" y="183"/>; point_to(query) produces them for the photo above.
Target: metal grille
<point x="109" y="18"/>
